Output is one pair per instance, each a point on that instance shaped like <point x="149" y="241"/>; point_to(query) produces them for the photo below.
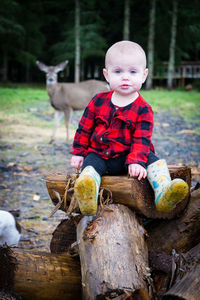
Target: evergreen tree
<point x="150" y="59"/>
<point x="45" y="30"/>
<point x="77" y="41"/>
<point x="126" y="32"/>
<point x="11" y="33"/>
<point x="171" y="62"/>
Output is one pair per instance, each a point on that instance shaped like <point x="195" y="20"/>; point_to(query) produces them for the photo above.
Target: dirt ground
<point x="27" y="157"/>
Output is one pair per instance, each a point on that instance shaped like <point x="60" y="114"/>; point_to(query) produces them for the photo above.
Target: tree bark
<point x="126" y="32"/>
<point x="181" y="272"/>
<point x="77" y="41"/>
<point x="186" y="289"/>
<point x="5" y="66"/>
<point x="63" y="236"/>
<point x="113" y="254"/>
<point x="137" y="195"/>
<point x="187" y="286"/>
<point x="180" y="234"/>
<point x="46" y="276"/>
<point x="172" y="46"/>
<point x="151" y="44"/>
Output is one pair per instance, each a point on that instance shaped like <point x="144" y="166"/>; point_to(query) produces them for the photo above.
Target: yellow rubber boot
<point x="86" y="191"/>
<point x="168" y="193"/>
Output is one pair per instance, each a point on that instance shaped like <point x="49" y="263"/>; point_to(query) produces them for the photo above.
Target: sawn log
<point x="63" y="236"/>
<point x="137" y="195"/>
<point x="46" y="276"/>
<point x="187" y="285"/>
<point x="180" y="234"/>
<point x="176" y="276"/>
<point x="113" y="254"/>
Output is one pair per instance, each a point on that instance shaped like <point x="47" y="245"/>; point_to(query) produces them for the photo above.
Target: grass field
<point x="187" y="104"/>
<point x="18" y="99"/>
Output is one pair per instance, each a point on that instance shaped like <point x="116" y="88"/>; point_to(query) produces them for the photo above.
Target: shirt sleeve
<point x="85" y="128"/>
<point x="141" y="139"/>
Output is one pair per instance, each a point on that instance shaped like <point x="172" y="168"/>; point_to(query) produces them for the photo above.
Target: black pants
<point x="112" y="166"/>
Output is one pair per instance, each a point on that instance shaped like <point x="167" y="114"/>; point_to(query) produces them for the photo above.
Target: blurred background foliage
<point x="44" y="30"/>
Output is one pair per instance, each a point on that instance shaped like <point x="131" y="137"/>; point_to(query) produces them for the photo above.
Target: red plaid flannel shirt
<point x="112" y="131"/>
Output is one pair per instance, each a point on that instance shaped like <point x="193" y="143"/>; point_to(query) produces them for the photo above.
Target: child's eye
<point x="117" y="71"/>
<point x="132" y="72"/>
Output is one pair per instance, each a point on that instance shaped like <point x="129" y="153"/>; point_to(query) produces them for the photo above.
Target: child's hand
<point x="136" y="170"/>
<point x="77" y="161"/>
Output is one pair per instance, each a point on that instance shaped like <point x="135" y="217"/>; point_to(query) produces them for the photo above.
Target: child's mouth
<point x="124" y="86"/>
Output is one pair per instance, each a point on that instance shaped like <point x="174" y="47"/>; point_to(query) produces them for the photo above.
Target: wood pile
<point x="127" y="251"/>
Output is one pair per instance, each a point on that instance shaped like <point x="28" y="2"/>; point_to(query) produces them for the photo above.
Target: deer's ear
<point x="42" y="66"/>
<point x="61" y="66"/>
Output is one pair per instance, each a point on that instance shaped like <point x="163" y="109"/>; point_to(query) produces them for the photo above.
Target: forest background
<point x="81" y="30"/>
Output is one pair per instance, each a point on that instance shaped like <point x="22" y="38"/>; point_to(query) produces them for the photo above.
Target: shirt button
<point x="107" y="153"/>
<point x="101" y="139"/>
<point x="116" y="108"/>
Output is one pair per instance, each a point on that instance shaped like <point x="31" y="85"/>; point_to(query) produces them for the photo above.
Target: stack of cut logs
<point x="127" y="251"/>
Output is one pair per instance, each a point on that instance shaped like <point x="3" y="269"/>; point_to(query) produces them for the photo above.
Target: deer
<point x="66" y="97"/>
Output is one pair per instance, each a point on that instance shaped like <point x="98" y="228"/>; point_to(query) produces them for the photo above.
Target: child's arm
<point x="141" y="138"/>
<point x="136" y="170"/>
<point x="84" y="130"/>
<point x="77" y="161"/>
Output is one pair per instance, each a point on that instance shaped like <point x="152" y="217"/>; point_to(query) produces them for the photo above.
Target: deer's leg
<point x="67" y="114"/>
<point x="58" y="115"/>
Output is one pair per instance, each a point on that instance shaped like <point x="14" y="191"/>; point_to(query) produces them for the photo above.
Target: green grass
<point x="17" y="99"/>
<point x="14" y="100"/>
<point x="186" y="104"/>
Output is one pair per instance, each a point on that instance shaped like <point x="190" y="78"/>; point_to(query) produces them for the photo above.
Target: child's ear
<point x="105" y="73"/>
<point x="146" y="71"/>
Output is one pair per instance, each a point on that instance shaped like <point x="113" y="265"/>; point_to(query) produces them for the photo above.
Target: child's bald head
<point x="125" y="48"/>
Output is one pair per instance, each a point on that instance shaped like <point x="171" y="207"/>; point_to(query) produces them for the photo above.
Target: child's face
<point x="126" y="73"/>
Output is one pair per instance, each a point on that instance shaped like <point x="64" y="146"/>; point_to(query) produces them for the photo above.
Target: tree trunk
<point x="46" y="276"/>
<point x="151" y="44"/>
<point x="172" y="46"/>
<point x="113" y="254"/>
<point x="180" y="234"/>
<point x="77" y="41"/>
<point x="5" y="66"/>
<point x="126" y="33"/>
<point x="27" y="73"/>
<point x="137" y="195"/>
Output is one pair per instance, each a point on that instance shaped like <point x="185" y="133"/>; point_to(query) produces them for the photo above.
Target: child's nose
<point x="125" y="76"/>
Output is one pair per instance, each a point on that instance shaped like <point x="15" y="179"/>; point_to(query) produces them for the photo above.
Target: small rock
<point x="25" y="154"/>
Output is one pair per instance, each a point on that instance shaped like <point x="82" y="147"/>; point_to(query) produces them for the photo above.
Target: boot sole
<point x="85" y="193"/>
<point x="177" y="191"/>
